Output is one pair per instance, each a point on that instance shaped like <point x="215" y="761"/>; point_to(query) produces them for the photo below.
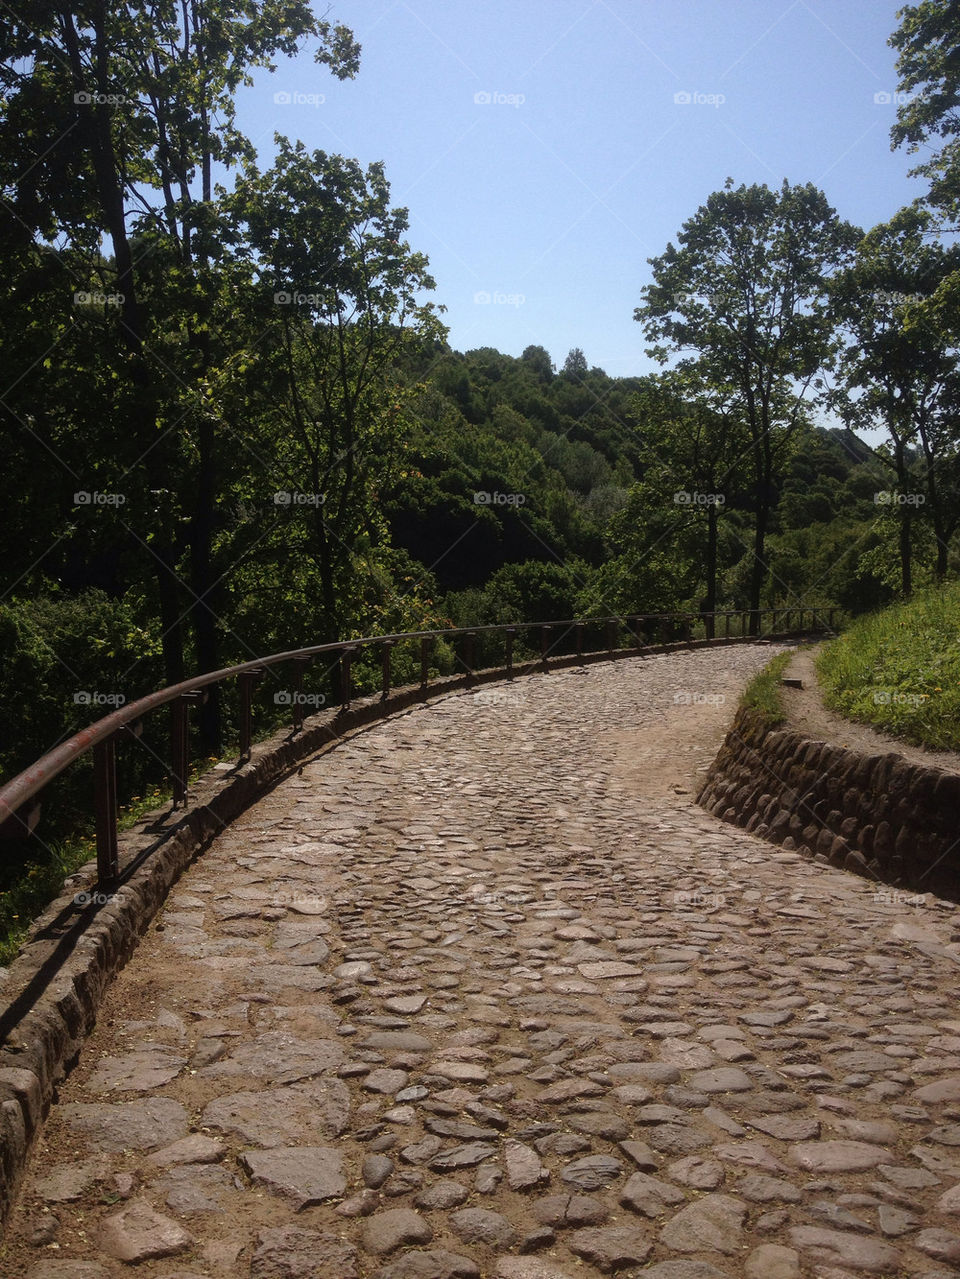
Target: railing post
<point x="637" y="641"/>
<point x="180" y="748"/>
<point x="511" y="631"/>
<point x="425" y="661"/>
<point x="248" y="682"/>
<point x="611" y="629"/>
<point x="299" y="664"/>
<point x="385" y="648"/>
<point x="346" y="659"/>
<point x="687" y="629"/>
<point x="468" y="654"/>
<point x="579" y="633"/>
<point x="545" y="645"/>
<point x="664" y="631"/>
<point x="105" y="809"/>
<point x="726" y="625"/>
<point x="180" y="734"/>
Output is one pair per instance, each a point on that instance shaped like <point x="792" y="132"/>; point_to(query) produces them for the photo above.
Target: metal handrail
<point x="101" y="736"/>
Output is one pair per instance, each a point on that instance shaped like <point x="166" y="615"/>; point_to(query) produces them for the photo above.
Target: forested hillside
<point x="569" y="493"/>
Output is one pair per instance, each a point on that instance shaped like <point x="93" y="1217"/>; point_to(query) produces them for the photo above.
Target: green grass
<point x="899" y="669"/>
<point x="38" y="884"/>
<point x="762" y="694"/>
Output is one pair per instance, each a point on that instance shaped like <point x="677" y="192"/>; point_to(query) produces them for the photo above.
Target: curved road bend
<point x="482" y="992"/>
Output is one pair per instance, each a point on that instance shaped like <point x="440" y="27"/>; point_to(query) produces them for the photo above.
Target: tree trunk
<point x="906" y="519"/>
<point x="711" y="599"/>
<point x="96" y="135"/>
<point x="204" y="617"/>
<point x="170" y="621"/>
<point x="936" y="509"/>
<point x="758" y="568"/>
<point x="906" y="553"/>
<point x="758" y="431"/>
<point x="939" y="531"/>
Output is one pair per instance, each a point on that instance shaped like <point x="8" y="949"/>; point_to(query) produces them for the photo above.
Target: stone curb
<point x="881" y="816"/>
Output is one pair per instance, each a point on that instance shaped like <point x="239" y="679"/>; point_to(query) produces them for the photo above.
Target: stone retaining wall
<point x="879" y="815"/>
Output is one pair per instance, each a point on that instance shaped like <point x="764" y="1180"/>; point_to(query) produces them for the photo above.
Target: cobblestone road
<point x="482" y="992"/>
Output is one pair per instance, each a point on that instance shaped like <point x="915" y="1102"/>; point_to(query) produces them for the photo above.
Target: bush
<point x="56" y="650"/>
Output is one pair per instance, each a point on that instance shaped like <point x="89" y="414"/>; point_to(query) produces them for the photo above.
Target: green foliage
<point x="899" y="669"/>
<point x="899" y="372"/>
<point x="59" y="648"/>
<point x="32" y="886"/>
<point x="742" y="301"/>
<point x="926" y="43"/>
<point x="575" y="365"/>
<point x="552" y="479"/>
<point x="533" y="591"/>
<point x="762" y="695"/>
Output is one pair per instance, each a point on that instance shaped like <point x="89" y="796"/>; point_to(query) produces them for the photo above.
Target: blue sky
<point x="543" y="157"/>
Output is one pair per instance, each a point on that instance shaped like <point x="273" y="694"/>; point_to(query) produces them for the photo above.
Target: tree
<point x="575" y="365"/>
<point x="114" y="118"/>
<point x="745" y="295"/>
<point x="538" y="358"/>
<point x="693" y="440"/>
<point x="334" y="297"/>
<point x="926" y="42"/>
<point x="900" y="370"/>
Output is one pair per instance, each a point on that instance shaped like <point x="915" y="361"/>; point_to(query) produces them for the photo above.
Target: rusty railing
<point x="19" y="798"/>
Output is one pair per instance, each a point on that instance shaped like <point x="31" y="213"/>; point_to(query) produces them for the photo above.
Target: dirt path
<point x="807" y="712"/>
<point x="483" y="993"/>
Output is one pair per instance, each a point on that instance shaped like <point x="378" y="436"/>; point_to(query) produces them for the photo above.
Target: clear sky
<point x="543" y="156"/>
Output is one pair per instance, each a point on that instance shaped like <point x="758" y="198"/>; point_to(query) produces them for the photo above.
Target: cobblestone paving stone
<point x="483" y="992"/>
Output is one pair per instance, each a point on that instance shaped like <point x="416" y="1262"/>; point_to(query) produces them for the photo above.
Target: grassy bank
<point x="899" y="670"/>
<point x="762" y="694"/>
